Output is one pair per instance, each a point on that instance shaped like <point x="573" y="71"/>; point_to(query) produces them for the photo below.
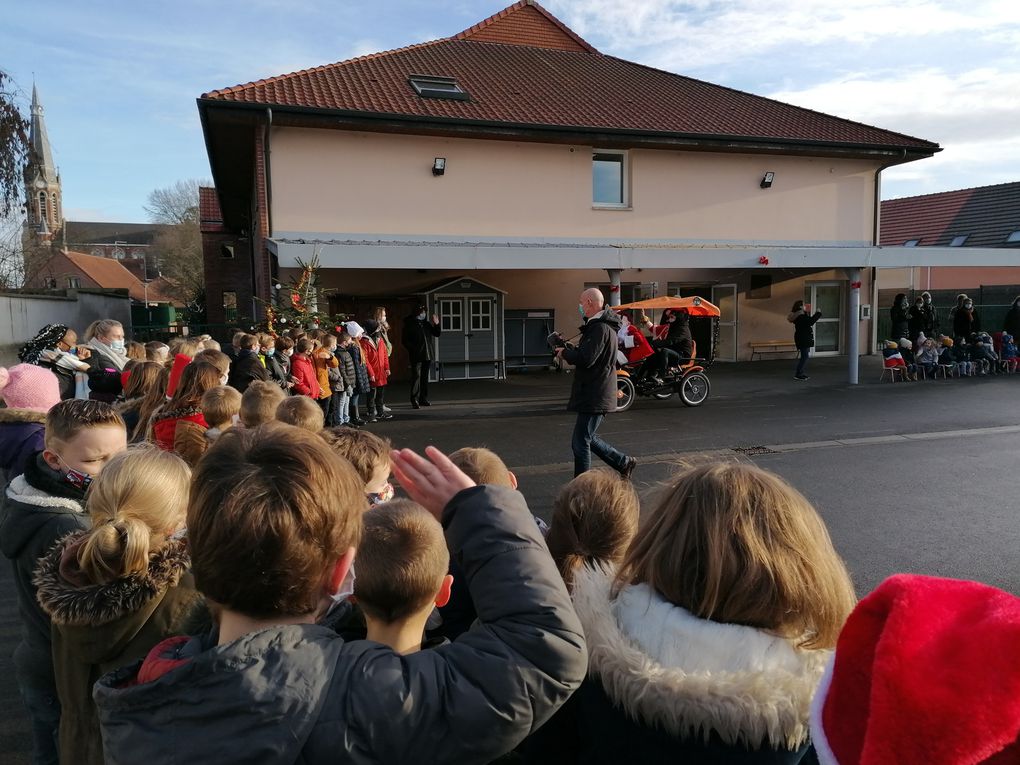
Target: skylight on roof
<point x="912" y="243"/>
<point x="428" y="86"/>
<point x="958" y="240"/>
<point x="1013" y="238"/>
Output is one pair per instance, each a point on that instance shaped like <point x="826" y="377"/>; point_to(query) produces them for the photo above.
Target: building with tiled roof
<point x="67" y="269"/>
<point x="516" y="152"/>
<point x="982" y="217"/>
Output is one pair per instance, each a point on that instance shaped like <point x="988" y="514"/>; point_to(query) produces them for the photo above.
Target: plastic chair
<point x="893" y="373"/>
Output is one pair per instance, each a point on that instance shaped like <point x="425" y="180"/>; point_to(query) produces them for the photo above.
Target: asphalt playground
<point x="917" y="477"/>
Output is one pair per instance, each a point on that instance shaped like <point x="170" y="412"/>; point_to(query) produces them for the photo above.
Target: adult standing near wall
<point x="916" y="319"/>
<point x="593" y="394"/>
<point x="966" y="319"/>
<point x="900" y="317"/>
<point x="417" y="339"/>
<point x="1011" y="324"/>
<point x="105" y="339"/>
<point x="930" y="317"/>
<point x="803" y="335"/>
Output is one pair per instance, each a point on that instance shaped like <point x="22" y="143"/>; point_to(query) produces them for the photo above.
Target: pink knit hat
<point x="26" y="386"/>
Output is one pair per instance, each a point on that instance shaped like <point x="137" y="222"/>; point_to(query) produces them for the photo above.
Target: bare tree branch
<point x="177" y="203"/>
<point x="13" y="147"/>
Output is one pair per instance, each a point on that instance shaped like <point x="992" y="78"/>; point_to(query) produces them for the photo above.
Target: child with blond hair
<point x="115" y="591"/>
<point x="302" y="412"/>
<point x="259" y="403"/>
<point x="710" y="637"/>
<point x="220" y="406"/>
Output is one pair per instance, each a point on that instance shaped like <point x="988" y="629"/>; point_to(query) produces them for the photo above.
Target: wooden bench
<point x="772" y="346"/>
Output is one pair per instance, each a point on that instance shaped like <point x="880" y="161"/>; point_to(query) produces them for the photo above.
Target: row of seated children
<point x="963" y="357"/>
<point x="701" y="633"/>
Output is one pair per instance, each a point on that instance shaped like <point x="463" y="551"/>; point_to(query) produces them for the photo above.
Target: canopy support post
<point x="853" y="323"/>
<point x="614" y="286"/>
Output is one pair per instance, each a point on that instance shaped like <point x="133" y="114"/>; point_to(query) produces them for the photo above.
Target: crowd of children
<point x="241" y="584"/>
<point x="976" y="355"/>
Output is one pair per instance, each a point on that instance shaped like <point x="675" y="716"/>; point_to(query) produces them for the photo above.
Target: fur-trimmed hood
<point x="21" y="416"/>
<point x="691" y="677"/>
<point x="107" y="615"/>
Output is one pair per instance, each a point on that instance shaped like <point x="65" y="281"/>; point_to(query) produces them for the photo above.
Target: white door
<point x="724" y="296"/>
<point x="826" y="297"/>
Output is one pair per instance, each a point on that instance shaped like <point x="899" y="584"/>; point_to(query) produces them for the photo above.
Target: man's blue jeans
<point x="584" y="442"/>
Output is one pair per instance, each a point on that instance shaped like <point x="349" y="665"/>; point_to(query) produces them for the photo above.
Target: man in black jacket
<point x="417" y="339"/>
<point x="593" y="394"/>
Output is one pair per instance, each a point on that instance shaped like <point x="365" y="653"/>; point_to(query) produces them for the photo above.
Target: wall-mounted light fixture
<point x="439" y="165"/>
<point x="766" y="182"/>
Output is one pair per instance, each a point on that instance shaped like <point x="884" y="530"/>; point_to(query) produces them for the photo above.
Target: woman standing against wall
<point x="803" y="335"/>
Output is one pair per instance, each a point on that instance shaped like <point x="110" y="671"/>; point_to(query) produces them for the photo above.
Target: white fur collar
<point x="690" y="676"/>
<point x="21" y="491"/>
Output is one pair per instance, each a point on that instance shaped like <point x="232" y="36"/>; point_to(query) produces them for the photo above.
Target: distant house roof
<point x="210" y="219"/>
<point x="101" y="232"/>
<point x="523" y="67"/>
<point x="110" y="274"/>
<point x="986" y="216"/>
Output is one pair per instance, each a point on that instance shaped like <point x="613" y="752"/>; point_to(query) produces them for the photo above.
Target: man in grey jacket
<point x="273" y="687"/>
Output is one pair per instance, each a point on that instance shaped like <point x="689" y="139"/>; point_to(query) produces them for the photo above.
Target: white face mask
<point x="346" y="589"/>
<point x="117" y="345"/>
<point x="421" y="316"/>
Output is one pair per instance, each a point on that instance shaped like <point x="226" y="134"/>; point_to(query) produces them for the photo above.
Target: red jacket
<point x="376" y="360"/>
<point x="641" y="349"/>
<point x="303" y="370"/>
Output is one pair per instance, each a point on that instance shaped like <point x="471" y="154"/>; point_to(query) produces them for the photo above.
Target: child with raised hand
<point x="271" y="686"/>
<point x="402" y="575"/>
<point x="221" y="406"/>
<point x="709" y="639"/>
<point x="41" y="507"/>
<point x="115" y="591"/>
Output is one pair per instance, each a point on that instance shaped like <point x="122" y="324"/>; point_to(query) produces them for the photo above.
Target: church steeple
<point x="43" y="199"/>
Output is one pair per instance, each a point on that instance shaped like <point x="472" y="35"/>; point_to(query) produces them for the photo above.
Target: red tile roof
<point x="110" y="274"/>
<point x="210" y="218"/>
<point x="523" y="67"/>
<point x="987" y="215"/>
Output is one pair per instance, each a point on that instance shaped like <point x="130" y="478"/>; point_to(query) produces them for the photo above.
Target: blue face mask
<point x="270" y="351"/>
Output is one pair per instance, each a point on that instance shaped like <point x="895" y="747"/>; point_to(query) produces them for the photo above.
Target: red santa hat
<point x="926" y="670"/>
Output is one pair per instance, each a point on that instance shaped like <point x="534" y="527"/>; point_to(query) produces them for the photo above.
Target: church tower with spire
<point x="43" y="200"/>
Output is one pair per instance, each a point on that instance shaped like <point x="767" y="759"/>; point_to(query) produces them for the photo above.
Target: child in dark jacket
<point x="1009" y="353"/>
<point x="29" y="393"/>
<point x="362" y="383"/>
<point x="947" y="356"/>
<point x="271" y="686"/>
<point x="961" y="354"/>
<point x="40" y="507"/>
<point x="402" y="575"/>
<point x="344" y="389"/>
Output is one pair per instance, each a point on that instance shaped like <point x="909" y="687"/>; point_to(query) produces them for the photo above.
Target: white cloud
<point x="683" y="35"/>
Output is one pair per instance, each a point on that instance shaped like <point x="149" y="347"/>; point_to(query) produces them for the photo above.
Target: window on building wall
<point x="428" y="86"/>
<point x="912" y="243"/>
<point x="226" y="250"/>
<point x="481" y="315"/>
<point x="230" y="306"/>
<point x="73" y="282"/>
<point x="958" y="241"/>
<point x="56" y="212"/>
<point x="609" y="178"/>
<point x="761" y="287"/>
<point x="1013" y="238"/>
<point x="630" y="292"/>
<point x="43" y="213"/>
<point x="451" y="315"/>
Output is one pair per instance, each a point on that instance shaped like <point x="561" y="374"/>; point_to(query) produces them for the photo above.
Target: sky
<point x="118" y="80"/>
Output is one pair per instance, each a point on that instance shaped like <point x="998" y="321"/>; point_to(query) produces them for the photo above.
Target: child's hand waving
<point x="431" y="482"/>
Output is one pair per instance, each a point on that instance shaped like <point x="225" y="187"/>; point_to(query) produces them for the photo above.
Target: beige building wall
<point x="948" y="277"/>
<point x="335" y="181"/>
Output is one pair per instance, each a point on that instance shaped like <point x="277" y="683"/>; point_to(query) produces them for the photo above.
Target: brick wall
<point x="226" y="275"/>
